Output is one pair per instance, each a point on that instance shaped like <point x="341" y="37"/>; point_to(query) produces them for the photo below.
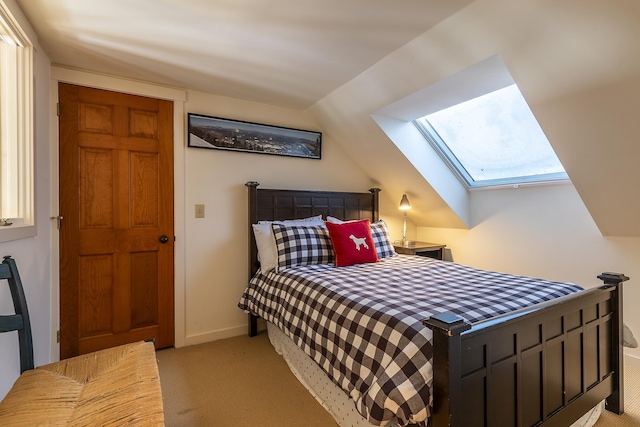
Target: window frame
<point x="443" y="150"/>
<point x="17" y="137"/>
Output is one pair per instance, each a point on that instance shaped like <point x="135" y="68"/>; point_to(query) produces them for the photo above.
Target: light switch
<point x="199" y="211"/>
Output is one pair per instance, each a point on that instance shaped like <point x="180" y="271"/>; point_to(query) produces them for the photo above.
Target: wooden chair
<point x="115" y="386"/>
<point x="19" y="321"/>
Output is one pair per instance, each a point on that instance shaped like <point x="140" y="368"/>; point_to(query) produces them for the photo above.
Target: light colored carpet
<point x="631" y="416"/>
<point x="237" y="382"/>
<point x="242" y="381"/>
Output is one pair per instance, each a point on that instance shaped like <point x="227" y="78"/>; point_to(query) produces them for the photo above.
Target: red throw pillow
<point x="352" y="242"/>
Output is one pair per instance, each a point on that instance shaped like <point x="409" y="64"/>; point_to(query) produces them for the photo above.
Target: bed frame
<point x="545" y="365"/>
<point x="273" y="205"/>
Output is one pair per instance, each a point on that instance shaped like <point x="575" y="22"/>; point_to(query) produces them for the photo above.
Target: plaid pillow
<point x="302" y="245"/>
<point x="381" y="239"/>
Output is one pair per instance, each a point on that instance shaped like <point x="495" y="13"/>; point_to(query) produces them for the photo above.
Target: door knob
<point x="163" y="239"/>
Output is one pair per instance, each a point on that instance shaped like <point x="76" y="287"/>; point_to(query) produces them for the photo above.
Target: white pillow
<point x="335" y="220"/>
<point x="267" y="251"/>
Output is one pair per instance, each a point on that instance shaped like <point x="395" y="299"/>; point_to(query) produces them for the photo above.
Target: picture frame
<point x="236" y="135"/>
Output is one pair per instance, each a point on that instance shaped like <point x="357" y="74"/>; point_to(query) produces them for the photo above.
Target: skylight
<point x="493" y="139"/>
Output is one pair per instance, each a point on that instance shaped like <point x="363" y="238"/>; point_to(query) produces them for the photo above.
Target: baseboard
<point x="215" y="335"/>
<point x="221" y="334"/>
<point x="633" y="361"/>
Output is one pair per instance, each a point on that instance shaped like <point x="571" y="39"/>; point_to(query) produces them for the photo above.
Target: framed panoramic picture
<point x="235" y="135"/>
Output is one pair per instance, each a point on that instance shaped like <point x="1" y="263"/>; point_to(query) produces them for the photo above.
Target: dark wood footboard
<point x="545" y="365"/>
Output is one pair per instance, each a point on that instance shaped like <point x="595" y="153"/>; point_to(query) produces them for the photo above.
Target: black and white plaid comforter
<point x="362" y="324"/>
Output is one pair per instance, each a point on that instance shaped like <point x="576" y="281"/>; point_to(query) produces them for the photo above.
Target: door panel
<point x="96" y="189"/>
<point x="96" y="275"/>
<point x="116" y="198"/>
<point x="144" y="297"/>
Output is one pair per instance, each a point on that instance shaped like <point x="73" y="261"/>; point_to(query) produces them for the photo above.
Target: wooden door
<point x="116" y="200"/>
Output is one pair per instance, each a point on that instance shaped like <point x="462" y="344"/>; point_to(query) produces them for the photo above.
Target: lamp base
<point x="404" y="230"/>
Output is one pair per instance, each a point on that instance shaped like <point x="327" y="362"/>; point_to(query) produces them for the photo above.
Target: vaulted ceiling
<point x="575" y="61"/>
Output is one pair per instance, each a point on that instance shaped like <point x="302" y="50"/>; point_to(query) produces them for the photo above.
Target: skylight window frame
<point x="443" y="150"/>
<point x="433" y="138"/>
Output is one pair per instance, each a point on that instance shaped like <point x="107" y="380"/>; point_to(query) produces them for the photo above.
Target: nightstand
<point x="431" y="250"/>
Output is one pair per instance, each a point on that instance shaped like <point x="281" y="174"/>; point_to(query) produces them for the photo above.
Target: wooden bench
<point x="112" y="387"/>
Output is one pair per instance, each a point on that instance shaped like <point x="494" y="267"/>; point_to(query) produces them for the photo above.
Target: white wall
<point x="32" y="255"/>
<point x="543" y="232"/>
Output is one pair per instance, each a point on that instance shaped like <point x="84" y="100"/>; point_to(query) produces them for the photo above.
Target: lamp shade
<point x="404" y="203"/>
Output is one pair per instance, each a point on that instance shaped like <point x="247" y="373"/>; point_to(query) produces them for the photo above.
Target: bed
<point x="543" y="364"/>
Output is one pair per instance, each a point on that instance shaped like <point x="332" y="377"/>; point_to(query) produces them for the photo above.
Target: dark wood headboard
<point x="270" y="205"/>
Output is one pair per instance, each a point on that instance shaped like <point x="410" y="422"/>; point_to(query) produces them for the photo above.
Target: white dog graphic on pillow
<point x="359" y="241"/>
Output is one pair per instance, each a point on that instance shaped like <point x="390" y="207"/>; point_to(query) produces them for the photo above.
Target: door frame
<point x="179" y="97"/>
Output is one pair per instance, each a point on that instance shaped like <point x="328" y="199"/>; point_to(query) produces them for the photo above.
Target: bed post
<point x="615" y="402"/>
<point x="253" y="249"/>
<point x="376" y="203"/>
<point x="447" y="369"/>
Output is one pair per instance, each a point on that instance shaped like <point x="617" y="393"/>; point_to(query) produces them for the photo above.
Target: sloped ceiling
<point x="575" y="61"/>
<point x="280" y="52"/>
